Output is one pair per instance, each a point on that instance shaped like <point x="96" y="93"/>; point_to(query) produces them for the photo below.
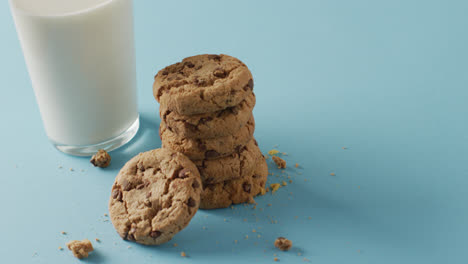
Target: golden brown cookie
<point x="154" y="196"/>
<point x="202" y="84"/>
<point x="222" y="195"/>
<point x="240" y="164"/>
<point x="199" y="149"/>
<point x="210" y="125"/>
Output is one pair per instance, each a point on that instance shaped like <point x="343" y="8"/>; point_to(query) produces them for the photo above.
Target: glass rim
<point x="92" y="8"/>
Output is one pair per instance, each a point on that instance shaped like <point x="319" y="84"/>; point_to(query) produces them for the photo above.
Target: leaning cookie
<point x="210" y="125"/>
<point x="199" y="149"/>
<point x="240" y="164"/>
<point x="154" y="196"/>
<point x="202" y="84"/>
<point x="242" y="190"/>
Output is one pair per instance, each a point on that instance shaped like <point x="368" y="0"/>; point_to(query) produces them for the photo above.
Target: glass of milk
<point x="80" y="56"/>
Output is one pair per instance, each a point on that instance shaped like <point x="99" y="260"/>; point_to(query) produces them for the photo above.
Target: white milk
<point x="81" y="60"/>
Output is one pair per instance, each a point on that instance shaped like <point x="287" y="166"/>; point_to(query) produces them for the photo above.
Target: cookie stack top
<point x="202" y="84"/>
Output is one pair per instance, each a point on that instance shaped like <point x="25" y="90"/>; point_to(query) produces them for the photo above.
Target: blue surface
<point x="386" y="79"/>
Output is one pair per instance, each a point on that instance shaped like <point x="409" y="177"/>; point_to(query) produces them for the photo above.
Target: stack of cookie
<point x="206" y="104"/>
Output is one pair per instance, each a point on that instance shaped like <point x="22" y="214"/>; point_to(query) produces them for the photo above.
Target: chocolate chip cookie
<point x="210" y="125"/>
<point x="202" y="84"/>
<point x="221" y="195"/>
<point x="154" y="196"/>
<point x="199" y="149"/>
<point x="240" y="164"/>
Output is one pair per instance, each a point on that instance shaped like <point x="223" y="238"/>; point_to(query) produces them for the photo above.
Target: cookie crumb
<point x="71" y="169"/>
<point x="97" y="240"/>
<point x="246" y="236"/>
<point x="276" y="259"/>
<point x="306" y="260"/>
<point x="60" y="167"/>
<point x="263" y="191"/>
<point x="299" y="253"/>
<point x="290" y="181"/>
<point x="273" y="152"/>
<point x="80" y="249"/>
<point x="101" y="159"/>
<point x="63" y="233"/>
<point x="284" y="183"/>
<point x="344" y="148"/>
<point x="175" y="245"/>
<point x="281" y="163"/>
<point x="235" y="241"/>
<point x="106" y="215"/>
<point x="274" y="187"/>
<point x="60" y="248"/>
<point x="297" y="165"/>
<point x="332" y="174"/>
<point x="182" y="254"/>
<point x="254" y="231"/>
<point x="283" y="244"/>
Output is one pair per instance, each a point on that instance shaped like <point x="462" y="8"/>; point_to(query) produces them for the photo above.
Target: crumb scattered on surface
<point x="175" y="245"/>
<point x="332" y="174"/>
<point x="60" y="167"/>
<point x="273" y="152"/>
<point x="284" y="183"/>
<point x="80" y="249"/>
<point x="344" y="148"/>
<point x="71" y="169"/>
<point x="283" y="244"/>
<point x="274" y="187"/>
<point x="97" y="240"/>
<point x="297" y="165"/>
<point x="101" y="159"/>
<point x="246" y="236"/>
<point x="182" y="254"/>
<point x="276" y="259"/>
<point x="105" y="215"/>
<point x="63" y="233"/>
<point x="129" y="247"/>
<point x="290" y="181"/>
<point x="254" y="231"/>
<point x="60" y="248"/>
<point x="235" y="241"/>
<point x="281" y="163"/>
<point x="268" y="204"/>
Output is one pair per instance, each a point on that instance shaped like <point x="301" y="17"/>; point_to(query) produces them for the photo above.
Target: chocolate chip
<point x="126" y="185"/>
<point x="184" y="173"/>
<point x="220" y="73"/>
<point x="141" y="167"/>
<point x="195" y="184"/>
<point x="211" y="154"/>
<point x="191" y="202"/>
<point x="117" y="194"/>
<point x="214" y="57"/>
<point x="200" y="82"/>
<point x="234" y="110"/>
<point x="247" y="187"/>
<point x="165" y="72"/>
<point x="155" y="234"/>
<point x="190" y="127"/>
<point x="204" y="120"/>
<point x="140" y="186"/>
<point x="238" y="148"/>
<point x="189" y="64"/>
<point x="249" y="85"/>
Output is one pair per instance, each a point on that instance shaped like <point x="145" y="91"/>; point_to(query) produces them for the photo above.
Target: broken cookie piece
<point x="283" y="244"/>
<point x="101" y="159"/>
<point x="80" y="249"/>
<point x="281" y="163"/>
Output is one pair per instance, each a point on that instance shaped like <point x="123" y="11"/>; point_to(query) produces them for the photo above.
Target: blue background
<point x="388" y="80"/>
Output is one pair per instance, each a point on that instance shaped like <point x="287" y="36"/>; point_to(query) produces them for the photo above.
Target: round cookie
<point x="222" y="195"/>
<point x="210" y="125"/>
<point x="199" y="149"/>
<point x="202" y="84"/>
<point x="238" y="165"/>
<point x="154" y="196"/>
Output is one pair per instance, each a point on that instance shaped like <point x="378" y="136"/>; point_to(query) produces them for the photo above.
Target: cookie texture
<point x="154" y="196"/>
<point x="240" y="164"/>
<point x="222" y="195"/>
<point x="202" y="84"/>
<point x="199" y="149"/>
<point x="210" y="125"/>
